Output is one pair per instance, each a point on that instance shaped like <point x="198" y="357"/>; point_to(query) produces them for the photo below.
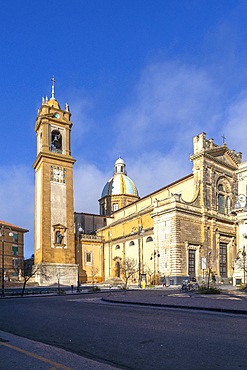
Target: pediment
<point x="224" y="155"/>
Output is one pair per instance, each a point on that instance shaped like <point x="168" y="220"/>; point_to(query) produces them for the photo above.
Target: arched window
<point x="131" y="243"/>
<point x="103" y="212"/>
<point x="117" y="247"/>
<point x="223" y="201"/>
<point x="149" y="239"/>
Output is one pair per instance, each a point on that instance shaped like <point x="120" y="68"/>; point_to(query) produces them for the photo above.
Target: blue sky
<point x="142" y="77"/>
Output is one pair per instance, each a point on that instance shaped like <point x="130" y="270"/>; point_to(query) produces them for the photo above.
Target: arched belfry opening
<point x="56" y="141"/>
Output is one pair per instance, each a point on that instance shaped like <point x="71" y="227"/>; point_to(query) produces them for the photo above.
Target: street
<point x="129" y="337"/>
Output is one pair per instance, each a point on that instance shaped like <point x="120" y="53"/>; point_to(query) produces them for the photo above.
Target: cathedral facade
<point x="184" y="229"/>
<point x="188" y="228"/>
<point x="192" y="227"/>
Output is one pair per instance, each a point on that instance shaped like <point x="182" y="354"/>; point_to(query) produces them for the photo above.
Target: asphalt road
<point x="129" y="337"/>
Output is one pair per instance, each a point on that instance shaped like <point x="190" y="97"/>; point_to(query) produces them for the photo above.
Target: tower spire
<point x="53" y="88"/>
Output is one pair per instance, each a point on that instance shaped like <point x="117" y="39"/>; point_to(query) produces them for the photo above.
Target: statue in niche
<point x="59" y="237"/>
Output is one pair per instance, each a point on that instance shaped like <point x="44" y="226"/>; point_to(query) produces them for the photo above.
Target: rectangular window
<point x="14" y="251"/>
<point x="15" y="237"/>
<point x="192" y="263"/>
<point x="223" y="259"/>
<point x="115" y="207"/>
<point x="15" y="264"/>
<point x="89" y="258"/>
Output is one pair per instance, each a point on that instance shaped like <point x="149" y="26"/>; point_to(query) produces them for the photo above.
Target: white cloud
<point x="152" y="171"/>
<point x="17" y="200"/>
<point x="172" y="103"/>
<point x="88" y="185"/>
<point x="80" y="105"/>
<point x="235" y="128"/>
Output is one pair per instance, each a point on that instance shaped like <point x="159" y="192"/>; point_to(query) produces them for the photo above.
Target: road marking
<point x="37" y="357"/>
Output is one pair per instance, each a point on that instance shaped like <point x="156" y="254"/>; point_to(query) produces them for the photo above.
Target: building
<point x="12" y="251"/>
<point x="54" y="243"/>
<point x="184" y="229"/>
<point x="240" y="213"/>
<point x="187" y="228"/>
<point x="117" y="193"/>
<point x="89" y="247"/>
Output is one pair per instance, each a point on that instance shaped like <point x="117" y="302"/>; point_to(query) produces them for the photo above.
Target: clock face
<point x="56" y="115"/>
<point x="58" y="174"/>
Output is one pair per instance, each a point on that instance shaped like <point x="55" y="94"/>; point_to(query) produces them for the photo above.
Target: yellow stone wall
<point x="93" y="270"/>
<point x="54" y="198"/>
<point x="182" y="218"/>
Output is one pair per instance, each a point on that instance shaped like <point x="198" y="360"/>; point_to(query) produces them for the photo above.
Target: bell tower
<point x="54" y="243"/>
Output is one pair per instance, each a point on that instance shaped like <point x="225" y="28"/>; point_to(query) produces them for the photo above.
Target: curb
<point x="213" y="309"/>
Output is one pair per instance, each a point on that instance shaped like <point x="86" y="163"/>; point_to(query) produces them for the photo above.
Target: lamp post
<point x="140" y="233"/>
<point x="2" y="234"/>
<point x="154" y="255"/>
<point x="79" y="230"/>
<point x="244" y="261"/>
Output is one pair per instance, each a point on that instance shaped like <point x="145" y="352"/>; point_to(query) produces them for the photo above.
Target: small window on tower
<point x="115" y="207"/>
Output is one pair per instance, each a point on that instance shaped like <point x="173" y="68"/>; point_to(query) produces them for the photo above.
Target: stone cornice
<point x="53" y="156"/>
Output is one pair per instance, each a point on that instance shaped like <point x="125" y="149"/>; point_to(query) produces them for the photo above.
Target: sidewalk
<point x="230" y="300"/>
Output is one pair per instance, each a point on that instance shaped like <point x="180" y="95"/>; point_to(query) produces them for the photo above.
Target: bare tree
<point x="128" y="269"/>
<point x="94" y="273"/>
<point x="28" y="270"/>
<point x="149" y="272"/>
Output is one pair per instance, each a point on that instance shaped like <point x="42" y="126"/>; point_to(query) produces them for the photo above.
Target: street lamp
<point x="155" y="255"/>
<point x="79" y="230"/>
<point x="2" y="234"/>
<point x="140" y="233"/>
<point x="244" y="261"/>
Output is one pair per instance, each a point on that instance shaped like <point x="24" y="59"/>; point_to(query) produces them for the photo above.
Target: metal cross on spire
<point x="53" y="88"/>
<point x="223" y="138"/>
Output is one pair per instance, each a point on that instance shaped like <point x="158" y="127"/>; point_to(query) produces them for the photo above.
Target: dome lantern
<point x="120" y="166"/>
<point x="119" y="191"/>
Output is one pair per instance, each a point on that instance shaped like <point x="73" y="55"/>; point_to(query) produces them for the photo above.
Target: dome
<point x="120" y="183"/>
<point x="53" y="103"/>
